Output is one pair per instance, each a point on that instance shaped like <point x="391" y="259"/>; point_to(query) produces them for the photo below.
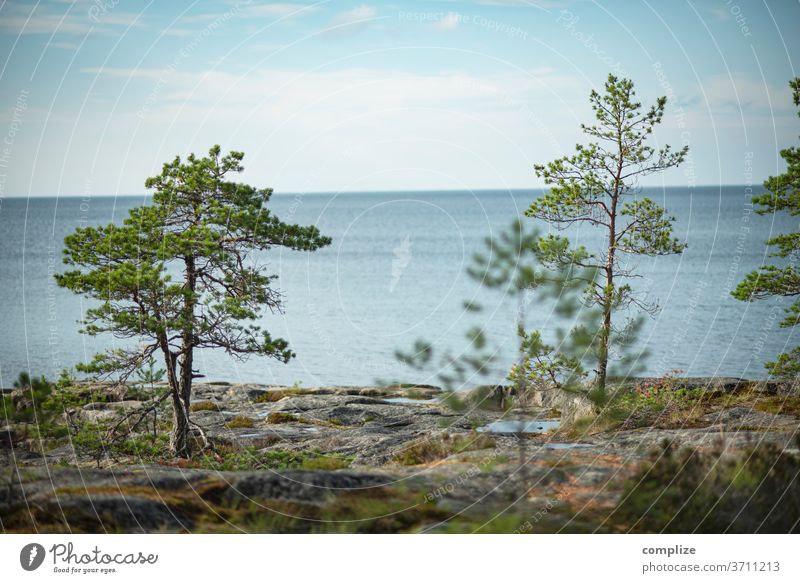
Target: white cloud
<point x="79" y="17"/>
<point x="719" y="13"/>
<point x="744" y="92"/>
<point x="450" y="21"/>
<point x="327" y="96"/>
<point x="71" y="20"/>
<point x="538" y="4"/>
<point x="277" y="9"/>
<point x="19" y="20"/>
<point x="362" y="12"/>
<point x="352" y="21"/>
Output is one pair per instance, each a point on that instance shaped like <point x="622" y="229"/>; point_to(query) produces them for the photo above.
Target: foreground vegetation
<point x="667" y="403"/>
<point x="301" y="472"/>
<point x="679" y="491"/>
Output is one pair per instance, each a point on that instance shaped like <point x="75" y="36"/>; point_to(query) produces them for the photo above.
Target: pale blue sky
<point x="340" y="95"/>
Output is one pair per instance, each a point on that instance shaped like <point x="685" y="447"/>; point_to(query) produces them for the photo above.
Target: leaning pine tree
<point x="179" y="275"/>
<point x="780" y="280"/>
<point x="599" y="185"/>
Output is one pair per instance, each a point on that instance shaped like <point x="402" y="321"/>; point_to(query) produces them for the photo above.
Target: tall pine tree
<point x="598" y="185"/>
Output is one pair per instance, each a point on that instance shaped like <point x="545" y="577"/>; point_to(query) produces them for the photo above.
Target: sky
<point x="369" y="96"/>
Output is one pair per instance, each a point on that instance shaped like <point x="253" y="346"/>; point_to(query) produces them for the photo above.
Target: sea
<point x="395" y="273"/>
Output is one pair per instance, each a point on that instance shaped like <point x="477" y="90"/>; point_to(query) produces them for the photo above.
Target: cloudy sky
<point x="351" y="96"/>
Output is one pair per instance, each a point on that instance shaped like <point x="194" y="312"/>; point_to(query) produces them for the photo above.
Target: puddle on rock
<point x="408" y="401"/>
<point x="566" y="445"/>
<point x="541" y="426"/>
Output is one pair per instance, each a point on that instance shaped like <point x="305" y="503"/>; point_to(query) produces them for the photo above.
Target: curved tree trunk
<point x="179" y="443"/>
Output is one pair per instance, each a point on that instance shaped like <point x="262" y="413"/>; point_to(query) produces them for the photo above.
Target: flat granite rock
<point x="567" y="477"/>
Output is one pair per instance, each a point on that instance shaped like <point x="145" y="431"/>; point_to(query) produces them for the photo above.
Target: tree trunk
<point x="605" y="341"/>
<point x="608" y="301"/>
<point x="608" y="292"/>
<point x="179" y="443"/>
<point x="187" y="348"/>
<point x="185" y="398"/>
<point x="186" y="381"/>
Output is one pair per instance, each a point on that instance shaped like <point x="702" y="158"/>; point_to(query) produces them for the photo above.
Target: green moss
<point x="415" y="393"/>
<point x="326" y="462"/>
<point x="253" y="459"/>
<point x="671" y="406"/>
<point x="240" y="422"/>
<point x="277" y="417"/>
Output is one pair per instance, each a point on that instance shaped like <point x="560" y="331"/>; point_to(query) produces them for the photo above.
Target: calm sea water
<point x="395" y="273"/>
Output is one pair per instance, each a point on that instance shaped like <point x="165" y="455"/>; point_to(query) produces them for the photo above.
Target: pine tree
<point x="598" y="185"/>
<point x="179" y="275"/>
<point x="780" y="280"/>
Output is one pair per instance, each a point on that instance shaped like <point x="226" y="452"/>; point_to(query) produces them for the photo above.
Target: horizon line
<point x="444" y="190"/>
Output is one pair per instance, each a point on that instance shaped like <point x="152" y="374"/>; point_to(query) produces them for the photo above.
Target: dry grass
<point x="273" y="396"/>
<point x="441" y="447"/>
<point x="678" y="409"/>
<point x="203" y="406"/>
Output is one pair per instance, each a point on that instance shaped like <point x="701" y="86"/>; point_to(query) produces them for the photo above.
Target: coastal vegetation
<point x="712" y="491"/>
<point x="178" y="275"/>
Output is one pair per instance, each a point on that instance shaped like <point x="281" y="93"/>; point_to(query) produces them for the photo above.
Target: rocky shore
<point x="380" y="459"/>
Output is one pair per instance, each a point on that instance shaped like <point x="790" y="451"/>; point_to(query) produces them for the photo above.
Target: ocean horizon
<point x="395" y="273"/>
